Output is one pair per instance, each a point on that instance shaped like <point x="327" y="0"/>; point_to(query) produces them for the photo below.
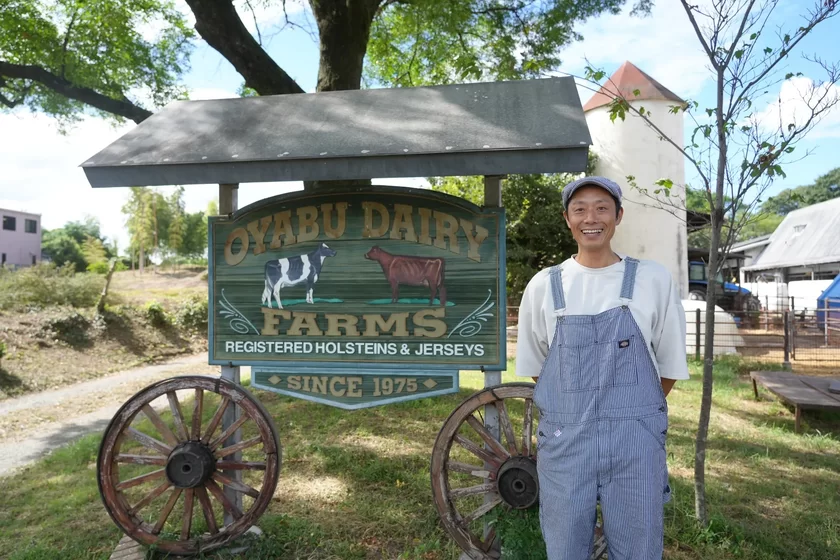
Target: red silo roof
<point x="625" y="81"/>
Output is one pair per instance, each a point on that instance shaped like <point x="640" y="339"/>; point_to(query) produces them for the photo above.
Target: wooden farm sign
<point x="372" y="280"/>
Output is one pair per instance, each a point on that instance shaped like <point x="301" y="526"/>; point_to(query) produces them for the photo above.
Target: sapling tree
<point x="735" y="152"/>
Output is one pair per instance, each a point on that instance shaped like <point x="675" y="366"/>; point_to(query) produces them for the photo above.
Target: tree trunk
<point x="100" y="305"/>
<point x="142" y="261"/>
<point x="717" y="216"/>
<point x="344" y="27"/>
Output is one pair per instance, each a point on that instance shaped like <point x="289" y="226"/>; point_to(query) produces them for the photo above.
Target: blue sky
<point x="40" y="165"/>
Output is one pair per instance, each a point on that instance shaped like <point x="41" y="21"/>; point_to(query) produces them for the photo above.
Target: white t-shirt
<point x="656" y="307"/>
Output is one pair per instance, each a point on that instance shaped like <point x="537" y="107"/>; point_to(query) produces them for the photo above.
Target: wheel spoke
<point x="197" y="410"/>
<point x="487" y="437"/>
<point x="207" y="508"/>
<point x="167" y="509"/>
<point x="473" y="470"/>
<point x="188" y="514"/>
<point x="137" y="480"/>
<point x="177" y="416"/>
<point x="507" y="427"/>
<point x="476" y="450"/>
<point x="149" y="497"/>
<point x="236" y="485"/>
<point x="485" y="508"/>
<point x="229" y="432"/>
<point x="240" y="466"/>
<point x="149" y="442"/>
<point x="225" y="451"/>
<point x="488" y="540"/>
<point x="141" y="460"/>
<point x="214" y="422"/>
<point x="161" y="426"/>
<point x="220" y="496"/>
<point x="472" y="490"/>
<point x="528" y="428"/>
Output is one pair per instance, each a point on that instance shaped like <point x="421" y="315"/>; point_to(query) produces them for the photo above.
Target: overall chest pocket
<point x="626" y="354"/>
<point x="579" y="366"/>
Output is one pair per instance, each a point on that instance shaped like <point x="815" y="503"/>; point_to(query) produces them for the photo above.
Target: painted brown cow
<point x="412" y="271"/>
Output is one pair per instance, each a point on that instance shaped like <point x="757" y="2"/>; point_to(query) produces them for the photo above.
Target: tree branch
<point x="122" y="108"/>
<point x="218" y="23"/>
<point x="688" y="10"/>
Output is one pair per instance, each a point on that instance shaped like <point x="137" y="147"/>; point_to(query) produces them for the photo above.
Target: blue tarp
<point x="829" y="300"/>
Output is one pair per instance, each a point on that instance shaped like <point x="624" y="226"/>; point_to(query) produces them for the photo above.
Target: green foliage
<point x="100" y="267"/>
<point x="177" y="225"/>
<point x="109" y="46"/>
<point x="156" y="315"/>
<point x="191" y="313"/>
<point x="2" y="351"/>
<point x="94" y="251"/>
<point x="47" y="284"/>
<point x="520" y="534"/>
<point x="79" y="243"/>
<point x="63" y="249"/>
<point x="826" y="187"/>
<point x="427" y="42"/>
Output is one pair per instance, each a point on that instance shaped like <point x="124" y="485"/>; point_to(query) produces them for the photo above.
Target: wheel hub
<point x="190" y="464"/>
<point x="518" y="484"/>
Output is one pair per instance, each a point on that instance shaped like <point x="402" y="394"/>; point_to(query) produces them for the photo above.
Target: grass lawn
<point x="355" y="485"/>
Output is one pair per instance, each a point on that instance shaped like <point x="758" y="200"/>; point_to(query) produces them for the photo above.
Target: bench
<point x="800" y="391"/>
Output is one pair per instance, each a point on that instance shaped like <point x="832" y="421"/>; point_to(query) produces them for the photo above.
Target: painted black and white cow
<point x="291" y="271"/>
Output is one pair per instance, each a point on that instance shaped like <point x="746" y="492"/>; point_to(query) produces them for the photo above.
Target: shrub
<point x="100" y="267"/>
<point x="2" y="352"/>
<point x="191" y="313"/>
<point x="120" y="266"/>
<point x="72" y="328"/>
<point x="46" y="284"/>
<point x="156" y="315"/>
<point x="520" y="534"/>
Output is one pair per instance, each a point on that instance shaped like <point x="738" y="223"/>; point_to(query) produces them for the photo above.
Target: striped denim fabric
<point x="601" y="436"/>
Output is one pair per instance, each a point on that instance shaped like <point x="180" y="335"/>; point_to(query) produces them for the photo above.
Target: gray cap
<point x="602" y="182"/>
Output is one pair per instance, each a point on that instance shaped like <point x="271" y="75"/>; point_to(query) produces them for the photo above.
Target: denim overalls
<point x="601" y="436"/>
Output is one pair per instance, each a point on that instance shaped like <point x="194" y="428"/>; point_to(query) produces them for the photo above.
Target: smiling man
<point x="603" y="335"/>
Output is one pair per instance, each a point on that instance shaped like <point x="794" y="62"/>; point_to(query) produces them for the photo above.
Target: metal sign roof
<point x="532" y="126"/>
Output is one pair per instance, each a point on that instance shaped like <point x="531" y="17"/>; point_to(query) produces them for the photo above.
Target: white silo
<point x="651" y="229"/>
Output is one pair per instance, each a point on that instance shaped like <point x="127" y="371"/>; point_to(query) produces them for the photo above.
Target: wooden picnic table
<point x="800" y="391"/>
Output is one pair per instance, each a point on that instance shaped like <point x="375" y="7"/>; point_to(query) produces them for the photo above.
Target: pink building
<point x="20" y="238"/>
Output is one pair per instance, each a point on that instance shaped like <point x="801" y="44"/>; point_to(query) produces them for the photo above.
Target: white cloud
<point x="663" y="45"/>
<point x="793" y="106"/>
<point x="41" y="173"/>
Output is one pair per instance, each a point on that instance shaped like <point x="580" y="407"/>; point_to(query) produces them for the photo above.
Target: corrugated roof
<point x="807" y="236"/>
<point x="625" y="81"/>
<point x="759" y="241"/>
<point x="530" y="126"/>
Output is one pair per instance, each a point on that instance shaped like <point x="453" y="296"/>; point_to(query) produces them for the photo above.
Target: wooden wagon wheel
<point x="473" y="473"/>
<point x="151" y="465"/>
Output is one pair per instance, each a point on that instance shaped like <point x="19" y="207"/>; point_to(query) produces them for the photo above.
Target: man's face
<point x="592" y="218"/>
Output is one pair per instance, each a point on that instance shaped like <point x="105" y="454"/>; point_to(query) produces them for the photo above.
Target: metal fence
<point x="807" y="339"/>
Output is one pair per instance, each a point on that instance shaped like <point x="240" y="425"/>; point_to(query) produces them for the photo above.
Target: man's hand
<point x="667" y="385"/>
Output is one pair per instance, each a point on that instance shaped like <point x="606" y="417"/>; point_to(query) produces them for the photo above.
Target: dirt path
<point x="34" y="425"/>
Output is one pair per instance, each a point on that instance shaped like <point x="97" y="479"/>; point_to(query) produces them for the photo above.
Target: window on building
<point x="30" y="226"/>
<point x="9" y="223"/>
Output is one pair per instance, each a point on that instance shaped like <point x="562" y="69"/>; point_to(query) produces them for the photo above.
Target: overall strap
<point x="629" y="281"/>
<point x="557" y="288"/>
